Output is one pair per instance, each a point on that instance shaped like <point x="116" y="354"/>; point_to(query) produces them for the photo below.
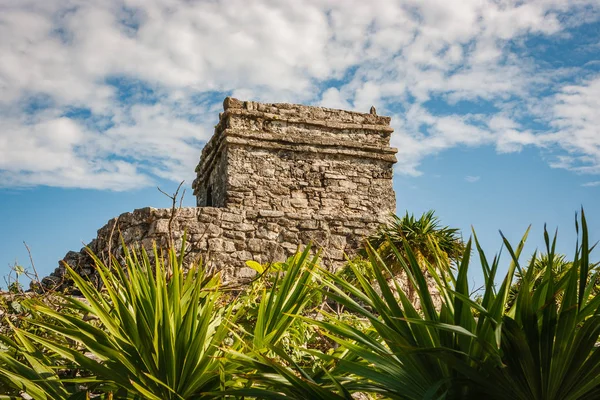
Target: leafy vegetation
<point x="429" y="241"/>
<point x="161" y="331"/>
<point x="425" y="236"/>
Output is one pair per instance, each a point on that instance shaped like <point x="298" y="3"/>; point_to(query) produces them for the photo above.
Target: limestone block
<point x="286" y="224"/>
<point x="271" y="213"/>
<point x="274" y="252"/>
<point x="231" y="217"/>
<point x="201" y="245"/>
<point x="332" y="203"/>
<point x="142" y="214"/>
<point x="240" y="244"/>
<point x="249" y="202"/>
<point x="237" y="195"/>
<point x="264" y="233"/>
<point x="251" y="214"/>
<point x="290" y="247"/>
<point x="245" y="227"/>
<point x="243" y="255"/>
<point x="212" y="230"/>
<point x="280" y="190"/>
<point x="298" y="194"/>
<point x="335" y="254"/>
<point x="255" y="245"/>
<point x="228" y="226"/>
<point x="190" y="226"/>
<point x="135" y="233"/>
<point x="147" y="243"/>
<point x="215" y="245"/>
<point x="362" y="232"/>
<point x="353" y="223"/>
<point x="297" y="216"/>
<point x="337" y="241"/>
<point x="273" y="227"/>
<point x="290" y="236"/>
<point x="334" y="176"/>
<point x="186" y="212"/>
<point x="209" y="214"/>
<point x="228" y="246"/>
<point x="230" y="102"/>
<point x="245" y="273"/>
<point x="309" y="224"/>
<point x="234" y="235"/>
<point x="299" y="203"/>
<point x="319" y="238"/>
<point x="156" y="227"/>
<point x="348" y="185"/>
<point x="336" y="190"/>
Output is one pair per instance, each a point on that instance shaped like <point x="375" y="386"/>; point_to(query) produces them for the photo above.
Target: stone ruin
<point x="273" y="178"/>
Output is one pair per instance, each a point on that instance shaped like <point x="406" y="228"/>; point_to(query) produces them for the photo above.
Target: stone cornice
<point x="302" y="112"/>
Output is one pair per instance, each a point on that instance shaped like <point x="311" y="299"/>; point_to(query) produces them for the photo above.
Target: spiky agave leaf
<point x="27" y="370"/>
<point x="434" y="352"/>
<point x="545" y="348"/>
<point x="549" y="342"/>
<point x="287" y="297"/>
<point x="160" y="329"/>
<point x="279" y="377"/>
<point x="267" y="370"/>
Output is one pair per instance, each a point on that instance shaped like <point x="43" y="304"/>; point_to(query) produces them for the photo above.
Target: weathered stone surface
<point x="273" y="178"/>
<point x="289" y="157"/>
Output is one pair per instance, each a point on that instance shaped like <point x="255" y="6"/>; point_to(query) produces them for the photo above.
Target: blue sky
<point x="495" y="105"/>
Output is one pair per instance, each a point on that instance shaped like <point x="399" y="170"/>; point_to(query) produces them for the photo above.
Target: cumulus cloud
<point x="575" y="117"/>
<point x="115" y="94"/>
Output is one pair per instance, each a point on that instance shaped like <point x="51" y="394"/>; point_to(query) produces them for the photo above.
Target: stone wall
<point x="311" y="183"/>
<point x="296" y="158"/>
<point x="225" y="238"/>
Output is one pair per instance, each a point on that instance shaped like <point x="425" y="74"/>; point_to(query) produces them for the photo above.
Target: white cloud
<point x="333" y="98"/>
<point x="179" y="58"/>
<point x="576" y="118"/>
<point x="472" y="179"/>
<point x="591" y="184"/>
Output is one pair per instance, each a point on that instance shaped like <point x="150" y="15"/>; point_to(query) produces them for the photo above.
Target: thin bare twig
<point x="182" y="196"/>
<point x="475" y="291"/>
<point x="112" y="231"/>
<point x="35" y="273"/>
<point x="173" y="198"/>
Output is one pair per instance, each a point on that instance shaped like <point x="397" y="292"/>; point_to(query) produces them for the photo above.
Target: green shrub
<point x="159" y="332"/>
<point x="156" y="332"/>
<point x="544" y="349"/>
